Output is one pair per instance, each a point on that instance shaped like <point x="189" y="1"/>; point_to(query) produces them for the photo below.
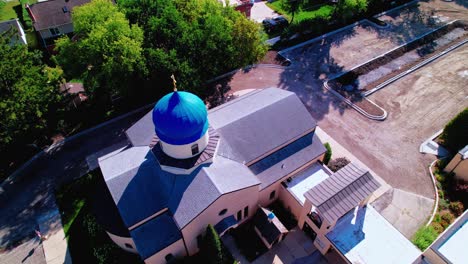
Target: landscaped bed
<point x="87" y="240"/>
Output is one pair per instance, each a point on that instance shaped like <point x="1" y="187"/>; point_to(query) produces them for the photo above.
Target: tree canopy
<point x="28" y="92"/>
<point x="194" y="39"/>
<point x="106" y="52"/>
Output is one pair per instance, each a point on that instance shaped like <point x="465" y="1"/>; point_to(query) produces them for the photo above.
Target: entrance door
<point x="309" y="232"/>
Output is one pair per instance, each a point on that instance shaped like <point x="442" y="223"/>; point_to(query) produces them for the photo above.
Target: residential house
<point x="14" y="28"/>
<point x="52" y="19"/>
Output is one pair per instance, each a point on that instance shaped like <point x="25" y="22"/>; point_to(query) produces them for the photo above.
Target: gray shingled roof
<point x="155" y="235"/>
<point x="13" y="27"/>
<point x="278" y="169"/>
<point x="259" y="122"/>
<point x="342" y="191"/>
<point x="137" y="184"/>
<point x="140" y="188"/>
<point x="142" y="132"/>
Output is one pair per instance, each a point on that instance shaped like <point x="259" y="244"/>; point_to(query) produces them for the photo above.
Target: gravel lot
<point x="419" y="104"/>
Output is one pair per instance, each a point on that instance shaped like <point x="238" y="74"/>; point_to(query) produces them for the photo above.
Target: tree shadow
<point x="405" y="24"/>
<point x="311" y="65"/>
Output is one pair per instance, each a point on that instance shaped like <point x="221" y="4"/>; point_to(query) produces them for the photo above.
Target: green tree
<point x="28" y="93"/>
<point x="106" y="52"/>
<point x="456" y="131"/>
<point x="195" y="39"/>
<point x="348" y="9"/>
<point x="328" y="153"/>
<point x="292" y="7"/>
<point x="213" y="250"/>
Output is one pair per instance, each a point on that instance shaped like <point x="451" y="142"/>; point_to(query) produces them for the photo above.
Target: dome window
<point x="195" y="149"/>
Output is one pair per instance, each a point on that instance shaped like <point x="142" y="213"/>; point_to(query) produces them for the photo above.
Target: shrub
<point x="456" y="208"/>
<point x="443" y="204"/>
<point x="442" y="163"/>
<point x="424" y="237"/>
<point x="441" y="193"/>
<point x="437" y="218"/>
<point x="437" y="227"/>
<point x="27" y="22"/>
<point x="447" y="217"/>
<point x="338" y="163"/>
<point x="328" y="154"/>
<point x="454" y="134"/>
<point x="444" y="224"/>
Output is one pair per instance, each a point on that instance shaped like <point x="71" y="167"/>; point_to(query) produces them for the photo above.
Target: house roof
<point x="342" y="191"/>
<point x="155" y="235"/>
<point x="13" y="24"/>
<point x="270" y="117"/>
<point x="51" y="13"/>
<point x="72" y="88"/>
<point x="270" y="230"/>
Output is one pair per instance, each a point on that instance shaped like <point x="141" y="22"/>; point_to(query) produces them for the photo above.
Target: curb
<point x="436" y="204"/>
<point x="362" y="21"/>
<point x="357" y="108"/>
<point x="415" y="67"/>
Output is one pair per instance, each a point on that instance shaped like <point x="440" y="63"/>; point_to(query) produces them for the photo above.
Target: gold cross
<point x="174" y="82"/>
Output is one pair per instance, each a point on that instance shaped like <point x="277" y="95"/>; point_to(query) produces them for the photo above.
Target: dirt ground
<point x="418" y="105"/>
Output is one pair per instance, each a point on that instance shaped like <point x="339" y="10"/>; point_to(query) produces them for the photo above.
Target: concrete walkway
<point x="295" y="246"/>
<point x="55" y="246"/>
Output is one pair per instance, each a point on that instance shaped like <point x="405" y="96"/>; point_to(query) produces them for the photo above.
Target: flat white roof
<point x="364" y="236"/>
<point x="454" y="248"/>
<point x="305" y="180"/>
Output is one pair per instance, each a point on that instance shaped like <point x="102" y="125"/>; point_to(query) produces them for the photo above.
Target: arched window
<point x="222" y="212"/>
<point x="194" y="149"/>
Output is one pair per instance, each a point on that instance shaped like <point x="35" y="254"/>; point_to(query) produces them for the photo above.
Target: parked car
<point x="275" y="23"/>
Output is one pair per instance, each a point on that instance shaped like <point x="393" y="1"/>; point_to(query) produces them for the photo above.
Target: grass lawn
<point x="87" y="240"/>
<point x="8" y="11"/>
<point x="323" y="11"/>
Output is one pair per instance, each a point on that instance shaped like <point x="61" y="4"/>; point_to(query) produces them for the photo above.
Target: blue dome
<point x="180" y="118"/>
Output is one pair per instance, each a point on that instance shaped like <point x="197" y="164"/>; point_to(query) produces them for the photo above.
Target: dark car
<point x="275" y="24"/>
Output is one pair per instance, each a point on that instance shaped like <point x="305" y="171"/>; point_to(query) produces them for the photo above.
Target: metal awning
<point x="225" y="224"/>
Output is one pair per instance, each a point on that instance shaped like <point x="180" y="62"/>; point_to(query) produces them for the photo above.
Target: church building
<point x="186" y="167"/>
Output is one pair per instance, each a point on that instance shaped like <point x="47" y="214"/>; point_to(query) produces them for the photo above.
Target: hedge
<point x="455" y="132"/>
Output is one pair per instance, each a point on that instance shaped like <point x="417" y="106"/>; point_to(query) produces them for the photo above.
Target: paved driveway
<point x="260" y="11"/>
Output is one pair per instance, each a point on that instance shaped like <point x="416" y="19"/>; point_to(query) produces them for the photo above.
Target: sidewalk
<point x="340" y="151"/>
<point x="55" y="246"/>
